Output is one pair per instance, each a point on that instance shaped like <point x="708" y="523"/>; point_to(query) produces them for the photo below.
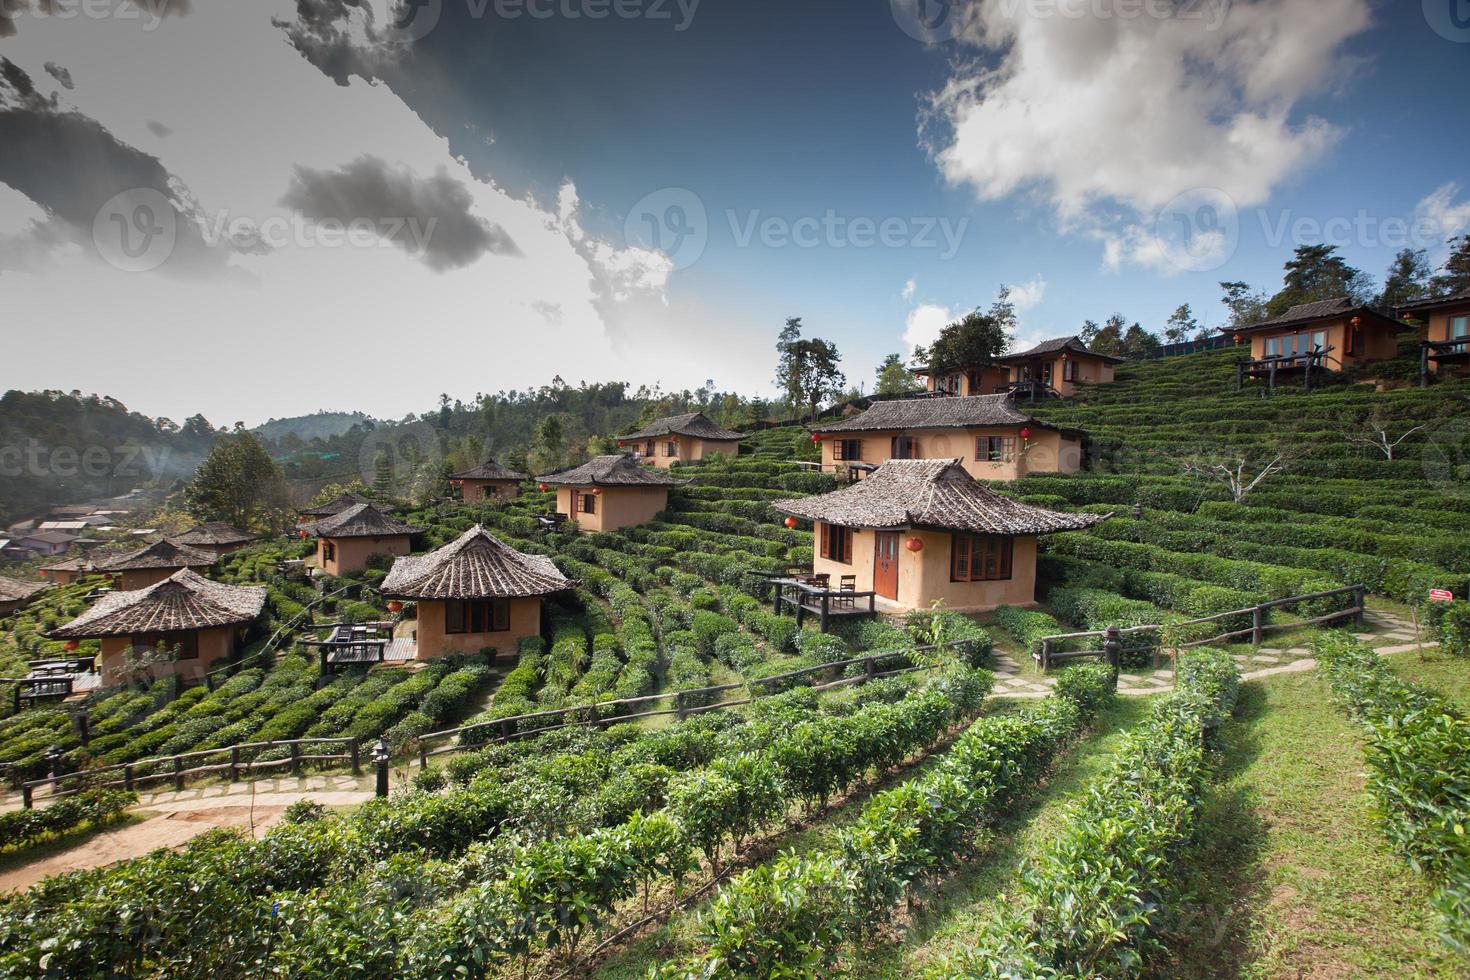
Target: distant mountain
<point x="322" y="425"/>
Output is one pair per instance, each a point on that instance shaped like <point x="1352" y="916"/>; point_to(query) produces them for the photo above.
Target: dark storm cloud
<point x="60" y="74"/>
<point x="319" y="33"/>
<point x="428" y="217"/>
<point x="72" y="167"/>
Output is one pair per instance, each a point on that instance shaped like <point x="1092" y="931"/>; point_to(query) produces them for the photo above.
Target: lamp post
<point x="381" y="754"/>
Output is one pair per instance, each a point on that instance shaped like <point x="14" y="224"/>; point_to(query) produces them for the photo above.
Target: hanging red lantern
<point x="1357" y="321"/>
<point x="1236" y="338"/>
<point x="1066" y="357"/>
<point x="790" y="522"/>
<point x="72" y="646"/>
<point x="914" y="544"/>
<point x="1025" y="433"/>
<point x="673" y="438"/>
<point x="395" y="606"/>
<point x="816" y="437"/>
<point x="544" y="488"/>
<point x="304" y="534"/>
<point x="597" y="491"/>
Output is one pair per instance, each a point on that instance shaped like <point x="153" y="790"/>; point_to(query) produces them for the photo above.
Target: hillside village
<point x="823" y="677"/>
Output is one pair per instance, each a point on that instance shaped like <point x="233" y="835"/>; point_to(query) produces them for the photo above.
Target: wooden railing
<point x="230" y="759"/>
<point x="1047" y="653"/>
<point x="1309" y="362"/>
<point x="1439" y="351"/>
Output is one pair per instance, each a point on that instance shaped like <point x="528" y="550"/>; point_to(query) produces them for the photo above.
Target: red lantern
<point x="791" y="522"/>
<point x="72" y="645"/>
<point x="1236" y="338"/>
<point x="1066" y="357"/>
<point x="395" y="606"/>
<point x="816" y="437"/>
<point x="914" y="544"/>
<point x="1357" y="321"/>
<point x="544" y="488"/>
<point x="303" y="533"/>
<point x="673" y="438"/>
<point x="1025" y="433"/>
<point x="597" y="491"/>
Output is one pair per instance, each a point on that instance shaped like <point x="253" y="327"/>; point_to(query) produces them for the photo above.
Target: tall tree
<point x="894" y="377"/>
<point x="1454" y="275"/>
<point x="1138" y="342"/>
<point x="1315" y="273"/>
<point x="240" y="484"/>
<point x="1109" y="337"/>
<point x="1246" y="305"/>
<point x="1088" y="333"/>
<point x="1407" y="278"/>
<point x="1181" y="325"/>
<point x="970" y="344"/>
<point x="807" y="369"/>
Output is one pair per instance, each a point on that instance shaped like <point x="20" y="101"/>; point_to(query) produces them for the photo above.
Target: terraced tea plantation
<point x="965" y="815"/>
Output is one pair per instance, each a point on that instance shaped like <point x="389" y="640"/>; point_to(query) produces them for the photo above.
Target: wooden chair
<point x="823" y="581"/>
<point x="847" y="583"/>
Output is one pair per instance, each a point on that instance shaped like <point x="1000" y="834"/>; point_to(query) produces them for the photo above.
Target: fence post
<point x="354" y="756"/>
<point x="380" y="760"/>
<point x="423" y="755"/>
<point x="295" y="758"/>
<point x="1359" y="600"/>
<point x="679" y="705"/>
<point x="870" y="668"/>
<point x="1045" y="653"/>
<point x="777" y="590"/>
<point x="234" y="763"/>
<point x="1258" y="626"/>
<point x="1113" y="648"/>
<point x="128" y="777"/>
<point x="826" y="600"/>
<point x="53" y="765"/>
<point x="178" y="774"/>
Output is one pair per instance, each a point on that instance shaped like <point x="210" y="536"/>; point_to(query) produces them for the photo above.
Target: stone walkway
<point x="1384" y="631"/>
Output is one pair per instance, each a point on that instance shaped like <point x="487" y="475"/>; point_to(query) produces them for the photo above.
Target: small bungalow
<point x="202" y="622"/>
<point x="921" y="530"/>
<point x="1057" y="367"/>
<point x="1444" y="332"/>
<point x="47" y="542"/>
<point x="992" y="440"/>
<point x="15" y="594"/>
<point x="68" y="570"/>
<point x="488" y="481"/>
<point x="346" y="540"/>
<point x="1329" y="335"/>
<point x="680" y="438"/>
<point x="475" y="592"/>
<point x="153" y="563"/>
<point x="610" y="492"/>
<point x="216" y="537"/>
<point x="337" y="505"/>
<point x="964" y="381"/>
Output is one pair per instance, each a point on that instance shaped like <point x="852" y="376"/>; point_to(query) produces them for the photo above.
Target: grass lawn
<point x="1295" y="880"/>
<point x="1448" y="675"/>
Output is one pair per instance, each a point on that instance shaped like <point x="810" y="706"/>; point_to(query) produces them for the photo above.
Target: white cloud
<point x="909" y="288"/>
<point x="394" y="331"/>
<point x="1448" y="216"/>
<point x="1028" y="295"/>
<point x="924" y="323"/>
<point x="1108" y="118"/>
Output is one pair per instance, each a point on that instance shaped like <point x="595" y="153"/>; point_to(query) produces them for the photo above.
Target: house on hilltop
<point x="990" y="438"/>
<point x="1328" y="335"/>
<point x="1057" y="367"/>
<point x="16" y="595"/>
<point x="916" y="531"/>
<point x="346" y="540"/>
<point x="964" y="381"/>
<point x="67" y="571"/>
<point x="337" y="505"/>
<point x="488" y="481"/>
<point x="473" y="593"/>
<point x="200" y="621"/>
<point x="1444" y="333"/>
<point x="153" y="563"/>
<point x="216" y="537"/>
<point x="610" y="492"/>
<point x="681" y="438"/>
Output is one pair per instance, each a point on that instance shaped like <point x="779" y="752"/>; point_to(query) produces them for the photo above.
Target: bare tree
<point x="1377" y="431"/>
<point x="1236" y="472"/>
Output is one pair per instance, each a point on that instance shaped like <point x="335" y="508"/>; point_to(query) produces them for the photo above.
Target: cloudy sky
<point x="255" y="209"/>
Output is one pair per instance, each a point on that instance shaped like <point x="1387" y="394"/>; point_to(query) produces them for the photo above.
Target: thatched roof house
<point x="681" y="438"/>
<point x="338" y="504"/>
<point x="610" y="492"/>
<point x="216" y="537"/>
<point x="15" y="594"/>
<point x="488" y="481"/>
<point x="155" y="562"/>
<point x="347" y="539"/>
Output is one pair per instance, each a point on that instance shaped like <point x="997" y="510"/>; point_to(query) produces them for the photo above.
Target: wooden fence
<point x="1048" y="653"/>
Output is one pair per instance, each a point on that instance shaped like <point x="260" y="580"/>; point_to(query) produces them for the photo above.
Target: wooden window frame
<point x="1069" y="370"/>
<point x="841" y="450"/>
<point x="584" y="502"/>
<point x="998" y="551"/>
<point x="467" y="616"/>
<point x="186" y="640"/>
<point x="836" y="546"/>
<point x="329" y="550"/>
<point x="985" y="449"/>
<point x="911" y="443"/>
<point x="671" y="449"/>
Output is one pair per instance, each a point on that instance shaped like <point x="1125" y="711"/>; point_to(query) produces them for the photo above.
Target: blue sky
<point x="1054" y="145"/>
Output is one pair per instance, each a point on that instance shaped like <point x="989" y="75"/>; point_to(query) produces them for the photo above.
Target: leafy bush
<point x="93" y="807"/>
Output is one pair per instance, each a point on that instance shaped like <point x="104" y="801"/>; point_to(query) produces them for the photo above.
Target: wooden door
<point x="885" y="564"/>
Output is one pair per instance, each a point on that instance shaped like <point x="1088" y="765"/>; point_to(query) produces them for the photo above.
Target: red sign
<point x="1441" y="595"/>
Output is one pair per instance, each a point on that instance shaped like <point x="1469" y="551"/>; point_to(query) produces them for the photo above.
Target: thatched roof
<point x="1430" y="303"/>
<point x="183" y="601"/>
<point x="1305" y="314"/>
<point x="613" y="471"/>
<point x="340" y="503"/>
<point x="1059" y="345"/>
<point x="359" y="521"/>
<point x="66" y="565"/>
<point x="692" y="424"/>
<point x="900" y="415"/>
<point x="476" y="565"/>
<point x="14" y="590"/>
<point x="164" y="553"/>
<point x="216" y="533"/>
<point x="930" y="493"/>
<point x="489" y="470"/>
